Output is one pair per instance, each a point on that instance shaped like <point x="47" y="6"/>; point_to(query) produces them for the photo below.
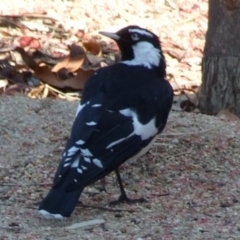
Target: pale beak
<point x="113" y="36"/>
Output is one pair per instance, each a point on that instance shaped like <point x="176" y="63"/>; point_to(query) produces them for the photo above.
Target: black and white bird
<point x="122" y="110"/>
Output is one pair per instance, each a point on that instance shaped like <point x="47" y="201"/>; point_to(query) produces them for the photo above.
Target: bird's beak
<point x="113" y="36"/>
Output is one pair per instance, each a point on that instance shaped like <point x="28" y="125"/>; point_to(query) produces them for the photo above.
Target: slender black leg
<point x="123" y="197"/>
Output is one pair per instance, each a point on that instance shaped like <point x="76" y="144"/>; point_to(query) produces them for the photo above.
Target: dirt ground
<point x="190" y="178"/>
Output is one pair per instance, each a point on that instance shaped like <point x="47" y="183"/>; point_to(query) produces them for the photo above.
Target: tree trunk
<point x="221" y="61"/>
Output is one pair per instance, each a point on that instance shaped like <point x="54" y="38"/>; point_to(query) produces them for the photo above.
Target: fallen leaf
<point x="26" y="58"/>
<point x="16" y="88"/>
<point x="3" y="83"/>
<point x="45" y="74"/>
<point x="73" y="62"/>
<point x="93" y="47"/>
<point x="78" y="81"/>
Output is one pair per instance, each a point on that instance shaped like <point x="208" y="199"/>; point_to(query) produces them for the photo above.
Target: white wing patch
<point x="145" y="54"/>
<point x="140" y="31"/>
<point x="97" y="162"/>
<point x="145" y="131"/>
<point x="126" y="112"/>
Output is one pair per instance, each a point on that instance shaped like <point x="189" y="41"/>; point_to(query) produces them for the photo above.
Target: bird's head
<point x="139" y="46"/>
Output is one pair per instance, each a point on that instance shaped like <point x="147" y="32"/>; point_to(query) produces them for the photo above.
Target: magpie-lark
<point x="123" y="108"/>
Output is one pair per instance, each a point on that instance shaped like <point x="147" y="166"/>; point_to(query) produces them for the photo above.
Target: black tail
<point x="59" y="202"/>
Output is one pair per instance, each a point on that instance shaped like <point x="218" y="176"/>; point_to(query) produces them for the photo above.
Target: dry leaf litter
<point x="191" y="175"/>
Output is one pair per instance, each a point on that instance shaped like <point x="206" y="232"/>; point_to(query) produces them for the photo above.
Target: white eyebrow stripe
<point x="140" y="31"/>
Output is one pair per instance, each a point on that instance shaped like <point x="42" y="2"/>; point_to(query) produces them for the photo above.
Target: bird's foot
<point x="125" y="199"/>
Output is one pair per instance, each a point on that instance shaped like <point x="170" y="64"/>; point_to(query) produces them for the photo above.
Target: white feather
<point x="91" y="123"/>
<point x="86" y="152"/>
<point x="79" y="142"/>
<point x="71" y="151"/>
<point x="97" y="162"/>
<point x="87" y="159"/>
<point x="75" y="163"/>
<point x="118" y="141"/>
<point x="96" y="105"/>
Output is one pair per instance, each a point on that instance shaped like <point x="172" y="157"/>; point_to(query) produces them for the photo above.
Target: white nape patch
<point x="140" y="31"/>
<point x="79" y="142"/>
<point x="71" y="151"/>
<point x="145" y="54"/>
<point x="97" y="162"/>
<point x="96" y="105"/>
<point x="80" y="107"/>
<point x="79" y="170"/>
<point x="48" y="215"/>
<point x="87" y="159"/>
<point x="91" y="123"/>
<point x="59" y="176"/>
<point x="86" y="152"/>
<point x="66" y="164"/>
<point x="145" y="131"/>
<point x="75" y="180"/>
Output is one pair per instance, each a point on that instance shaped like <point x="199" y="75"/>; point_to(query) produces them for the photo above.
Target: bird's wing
<point x="100" y="141"/>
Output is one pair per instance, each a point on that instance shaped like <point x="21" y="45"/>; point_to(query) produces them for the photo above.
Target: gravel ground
<point x="190" y="179"/>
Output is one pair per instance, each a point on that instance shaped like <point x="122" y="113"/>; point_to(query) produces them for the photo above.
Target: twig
<point x="23" y="185"/>
<point x="62" y="93"/>
<point x="107" y="208"/>
<point x="178" y="154"/>
<point x="192" y="133"/>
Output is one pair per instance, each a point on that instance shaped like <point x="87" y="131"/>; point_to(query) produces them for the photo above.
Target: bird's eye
<point x="135" y="36"/>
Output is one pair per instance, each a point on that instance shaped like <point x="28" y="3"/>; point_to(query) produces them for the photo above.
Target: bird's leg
<point x="123" y="197"/>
